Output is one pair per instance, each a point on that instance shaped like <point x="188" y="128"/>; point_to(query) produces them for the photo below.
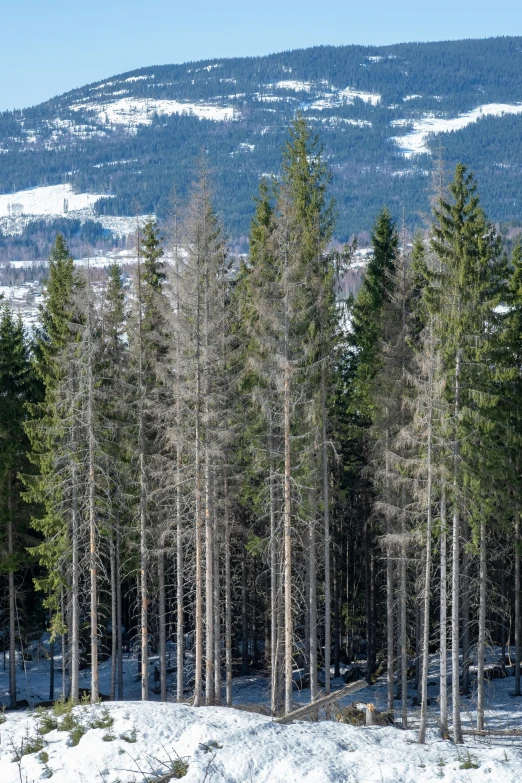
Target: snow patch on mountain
<point x="141" y="111"/>
<point x="52" y="200"/>
<point x="414" y="143"/>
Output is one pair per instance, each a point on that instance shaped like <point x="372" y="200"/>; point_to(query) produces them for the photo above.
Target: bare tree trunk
<point x="481" y="645"/>
<point x="119" y="613"/>
<point x="74" y="651"/>
<point x="337" y="616"/>
<point x="64" y="650"/>
<point x="217" y="622"/>
<point x="144" y="564"/>
<point x="244" y="607"/>
<point x="517" y="603"/>
<point x="198" y="680"/>
<point x="180" y="641"/>
<point x="274" y="671"/>
<point x="12" y="607"/>
<point x="114" y="621"/>
<point x="389" y="628"/>
<point x="403" y="624"/>
<point x="93" y="553"/>
<point x="455" y="581"/>
<point x="51" y="661"/>
<point x="368" y="599"/>
<point x="228" y="605"/>
<point x="326" y="502"/>
<point x="443" y="617"/>
<point x="209" y="586"/>
<point x="427" y="569"/>
<point x="287" y="536"/>
<point x="312" y="591"/>
<point x="162" y="624"/>
<point x="465" y="608"/>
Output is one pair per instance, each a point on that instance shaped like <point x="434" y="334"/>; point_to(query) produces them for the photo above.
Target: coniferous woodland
<point x="234" y="462"/>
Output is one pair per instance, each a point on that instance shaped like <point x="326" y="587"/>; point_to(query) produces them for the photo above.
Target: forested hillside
<point x="134" y="137"/>
<point x="229" y="471"/>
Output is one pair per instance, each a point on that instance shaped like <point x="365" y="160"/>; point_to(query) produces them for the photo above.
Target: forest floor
<point x="134" y="742"/>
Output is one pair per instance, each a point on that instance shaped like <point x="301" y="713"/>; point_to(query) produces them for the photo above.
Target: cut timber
<point x="322" y="702"/>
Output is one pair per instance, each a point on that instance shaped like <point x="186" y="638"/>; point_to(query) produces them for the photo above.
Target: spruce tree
<point x="17" y="388"/>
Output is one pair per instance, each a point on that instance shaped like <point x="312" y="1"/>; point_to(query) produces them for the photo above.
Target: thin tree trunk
<point x="427" y="569"/>
<point x="403" y="624"/>
<point x="443" y="617"/>
<point x="326" y="502"/>
<point x="389" y="628"/>
<point x="114" y="633"/>
<point x="12" y="606"/>
<point x="180" y="641"/>
<point x="455" y="580"/>
<point x="287" y="536"/>
<point x="368" y="600"/>
<point x="465" y="609"/>
<point x="51" y="661"/>
<point x="92" y="510"/>
<point x="198" y="680"/>
<point x="337" y="615"/>
<point x="209" y="586"/>
<point x="312" y="591"/>
<point x="274" y="672"/>
<point x="517" y="603"/>
<point x="162" y="624"/>
<point x="74" y="651"/>
<point x="217" y="622"/>
<point x="481" y="645"/>
<point x="119" y="613"/>
<point x="228" y="605"/>
<point x="244" y="607"/>
<point x="63" y="645"/>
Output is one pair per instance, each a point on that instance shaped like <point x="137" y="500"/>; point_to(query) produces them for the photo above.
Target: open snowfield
<point x="414" y="143"/>
<point x="52" y="200"/>
<point x="141" y="111"/>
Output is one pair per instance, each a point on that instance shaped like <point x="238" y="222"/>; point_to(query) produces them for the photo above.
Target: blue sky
<point x="50" y="46"/>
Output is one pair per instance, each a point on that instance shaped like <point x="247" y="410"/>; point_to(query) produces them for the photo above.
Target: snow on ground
<point x="220" y="745"/>
<point x="349" y="95"/>
<point x="414" y="143"/>
<point x="289" y="84"/>
<point x="141" y="111"/>
<point x="56" y="200"/>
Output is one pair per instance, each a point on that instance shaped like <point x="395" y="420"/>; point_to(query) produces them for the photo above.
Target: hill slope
<point x="381" y="112"/>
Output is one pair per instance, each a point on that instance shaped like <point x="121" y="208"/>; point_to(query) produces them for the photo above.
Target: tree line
<point x="232" y="461"/>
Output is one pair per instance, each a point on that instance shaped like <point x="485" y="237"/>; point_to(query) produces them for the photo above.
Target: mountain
<point x="122" y="145"/>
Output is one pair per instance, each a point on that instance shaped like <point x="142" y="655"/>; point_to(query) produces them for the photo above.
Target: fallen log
<point x="322" y="702"/>
<point x="494" y="732"/>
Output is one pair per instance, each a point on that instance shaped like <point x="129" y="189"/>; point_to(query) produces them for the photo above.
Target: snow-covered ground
<point x="52" y="200"/>
<point x="55" y="201"/>
<point x="414" y="143"/>
<point x="222" y="745"/>
<point x="132" y="111"/>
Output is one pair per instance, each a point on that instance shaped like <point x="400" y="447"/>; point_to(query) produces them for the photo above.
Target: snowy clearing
<point x="141" y="111"/>
<point x="221" y="745"/>
<point x="414" y="143"/>
<point x="56" y="200"/>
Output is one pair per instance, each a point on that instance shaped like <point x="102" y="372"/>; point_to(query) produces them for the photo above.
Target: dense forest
<point x="68" y="139"/>
<point x="243" y="465"/>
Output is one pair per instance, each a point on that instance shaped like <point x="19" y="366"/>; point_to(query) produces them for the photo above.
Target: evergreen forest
<point x="236" y="462"/>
